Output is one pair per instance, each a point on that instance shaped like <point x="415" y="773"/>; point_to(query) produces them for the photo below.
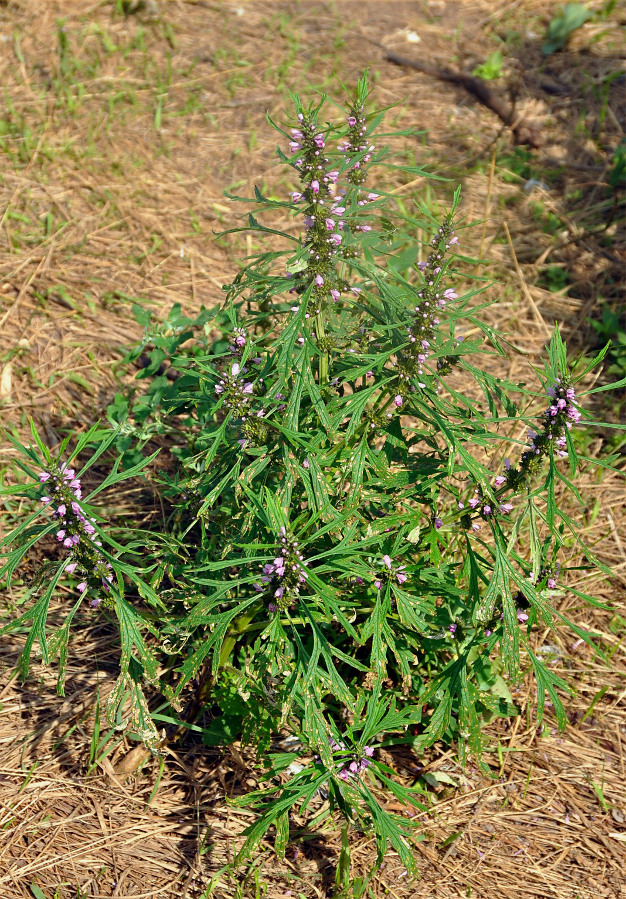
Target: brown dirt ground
<point x="111" y="189"/>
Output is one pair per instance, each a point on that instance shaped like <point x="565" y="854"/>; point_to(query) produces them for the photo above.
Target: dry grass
<point x="115" y="161"/>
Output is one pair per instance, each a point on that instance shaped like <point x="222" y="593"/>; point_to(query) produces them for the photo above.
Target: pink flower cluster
<point x="237" y="391"/>
<point x="550" y="574"/>
<point x="355" y="144"/>
<point x="432" y="298"/>
<point x="422" y="328"/>
<point x="564" y="407"/>
<point x="477" y="502"/>
<point x="76" y="532"/>
<point x="391" y="571"/>
<point x="323" y="219"/>
<point x="358" y="764"/>
<point x="285" y="575"/>
<point x="239" y="339"/>
<point x="560" y="417"/>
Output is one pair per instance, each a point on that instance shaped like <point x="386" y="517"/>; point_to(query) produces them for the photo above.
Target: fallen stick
<point x="523" y="132"/>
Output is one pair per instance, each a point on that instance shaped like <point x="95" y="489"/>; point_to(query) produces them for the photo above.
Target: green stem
<point x="235" y="631"/>
<point x="321" y="333"/>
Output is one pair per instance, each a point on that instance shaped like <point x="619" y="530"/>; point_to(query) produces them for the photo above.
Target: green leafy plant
<point x="572" y="17"/>
<point x="617" y="175"/>
<point x="612" y="328"/>
<point x="346" y="560"/>
<point x="491" y="68"/>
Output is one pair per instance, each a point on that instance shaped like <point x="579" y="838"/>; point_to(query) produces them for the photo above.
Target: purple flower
<point x="500" y="479"/>
<point x="315" y="187"/>
<point x="71" y="567"/>
<point x="378" y="584"/>
<point x="521" y="616"/>
<point x="397" y="400"/>
<point x="60" y="535"/>
<point x="44" y="476"/>
<point x="319" y="280"/>
<point x="452" y="628"/>
<point x="438" y="523"/>
<point x="551" y="583"/>
<point x="351" y="121"/>
<point x="401" y="576"/>
<point x="305" y="464"/>
<point x="387" y="561"/>
<point x="82" y="586"/>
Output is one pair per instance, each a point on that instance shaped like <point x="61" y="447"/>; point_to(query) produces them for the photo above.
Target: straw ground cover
<point x="122" y="125"/>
